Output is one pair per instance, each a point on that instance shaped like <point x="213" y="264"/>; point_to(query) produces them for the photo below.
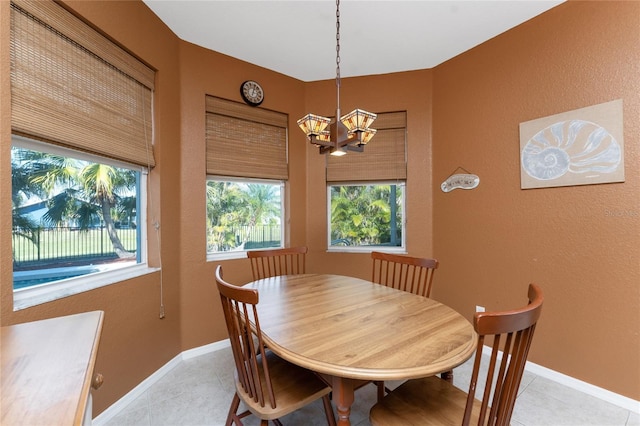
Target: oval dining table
<point x="348" y="330"/>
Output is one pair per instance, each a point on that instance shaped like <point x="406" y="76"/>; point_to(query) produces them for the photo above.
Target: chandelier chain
<point x="339" y="134"/>
<point x="338" y="40"/>
<point x="338" y="49"/>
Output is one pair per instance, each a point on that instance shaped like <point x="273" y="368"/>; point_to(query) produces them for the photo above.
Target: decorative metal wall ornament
<point x="460" y="181"/>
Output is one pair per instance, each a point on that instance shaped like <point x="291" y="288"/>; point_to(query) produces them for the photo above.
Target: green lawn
<point x="65" y="243"/>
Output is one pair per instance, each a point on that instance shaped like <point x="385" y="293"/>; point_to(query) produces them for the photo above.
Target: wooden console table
<point x="47" y="370"/>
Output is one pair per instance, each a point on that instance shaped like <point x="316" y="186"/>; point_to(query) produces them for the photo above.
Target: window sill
<point x="227" y="255"/>
<point x="43" y="293"/>
<point x="367" y="249"/>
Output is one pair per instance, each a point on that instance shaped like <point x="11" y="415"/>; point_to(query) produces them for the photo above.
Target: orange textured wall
<point x="582" y="243"/>
<point x="408" y="91"/>
<point x="135" y="342"/>
<point x="203" y="73"/>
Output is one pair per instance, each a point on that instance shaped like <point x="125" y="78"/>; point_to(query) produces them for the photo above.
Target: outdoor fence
<point x="62" y="244"/>
<point x="67" y="244"/>
<point x="261" y="236"/>
<point x="253" y="236"/>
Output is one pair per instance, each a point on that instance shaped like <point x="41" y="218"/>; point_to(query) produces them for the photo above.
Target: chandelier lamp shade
<point x="350" y="132"/>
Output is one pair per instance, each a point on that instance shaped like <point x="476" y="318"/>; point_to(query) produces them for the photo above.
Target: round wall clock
<point x="252" y="92"/>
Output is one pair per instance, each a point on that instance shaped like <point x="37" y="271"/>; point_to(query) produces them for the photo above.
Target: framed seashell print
<point x="580" y="147"/>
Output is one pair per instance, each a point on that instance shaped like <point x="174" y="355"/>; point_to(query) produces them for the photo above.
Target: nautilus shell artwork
<point x="584" y="146"/>
<point x="572" y="146"/>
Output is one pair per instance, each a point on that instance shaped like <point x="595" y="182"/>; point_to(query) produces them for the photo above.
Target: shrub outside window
<point x="367" y="216"/>
<point x="75" y="217"/>
<point x="243" y="215"/>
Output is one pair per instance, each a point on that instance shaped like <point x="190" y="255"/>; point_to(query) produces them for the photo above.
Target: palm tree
<point x="224" y="209"/>
<point x="231" y="205"/>
<point x="80" y="191"/>
<point x="363" y="215"/>
<point x="22" y="189"/>
<point x="104" y="184"/>
<point x="262" y="206"/>
<point x="262" y="203"/>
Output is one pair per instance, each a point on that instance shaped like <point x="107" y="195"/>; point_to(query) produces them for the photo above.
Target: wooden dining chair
<point x="434" y="401"/>
<point x="269" y="386"/>
<point x="412" y="274"/>
<point x="407" y="273"/>
<point x="283" y="261"/>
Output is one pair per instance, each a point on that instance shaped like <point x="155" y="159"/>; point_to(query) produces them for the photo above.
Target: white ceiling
<point x="298" y="37"/>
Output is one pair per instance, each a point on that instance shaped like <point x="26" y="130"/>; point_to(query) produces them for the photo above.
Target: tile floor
<point x="198" y="391"/>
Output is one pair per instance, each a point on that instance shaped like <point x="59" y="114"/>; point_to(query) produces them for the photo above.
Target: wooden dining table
<point x="348" y="330"/>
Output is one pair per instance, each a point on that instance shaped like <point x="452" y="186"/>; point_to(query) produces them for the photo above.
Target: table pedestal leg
<point x="448" y="376"/>
<point x="343" y="398"/>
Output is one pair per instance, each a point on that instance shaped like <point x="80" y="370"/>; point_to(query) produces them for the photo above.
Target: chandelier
<point x="350" y="132"/>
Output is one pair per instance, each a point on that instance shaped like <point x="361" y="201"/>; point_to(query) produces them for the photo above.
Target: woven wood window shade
<point x="244" y="141"/>
<point x="384" y="158"/>
<point x="73" y="87"/>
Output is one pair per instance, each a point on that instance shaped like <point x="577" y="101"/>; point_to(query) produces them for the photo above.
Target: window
<point x="367" y="216"/>
<point x="81" y="115"/>
<point x="73" y="87"/>
<point x="243" y="215"/>
<point x="75" y="216"/>
<point x="366" y="191"/>
<point x="245" y="211"/>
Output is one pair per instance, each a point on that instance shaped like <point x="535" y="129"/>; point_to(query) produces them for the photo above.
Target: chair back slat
<point x="512" y="334"/>
<point x="247" y="345"/>
<point x="431" y="400"/>
<point x="270" y="263"/>
<point x="411" y="274"/>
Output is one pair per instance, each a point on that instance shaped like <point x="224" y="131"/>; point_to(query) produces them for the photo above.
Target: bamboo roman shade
<point x="384" y="158"/>
<point x="244" y="141"/>
<point x="73" y="87"/>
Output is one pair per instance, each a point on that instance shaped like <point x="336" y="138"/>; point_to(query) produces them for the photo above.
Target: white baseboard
<point x="587" y="388"/>
<point x="206" y="349"/>
<point x="584" y="387"/>
<point x="115" y="409"/>
<point x="579" y="385"/>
